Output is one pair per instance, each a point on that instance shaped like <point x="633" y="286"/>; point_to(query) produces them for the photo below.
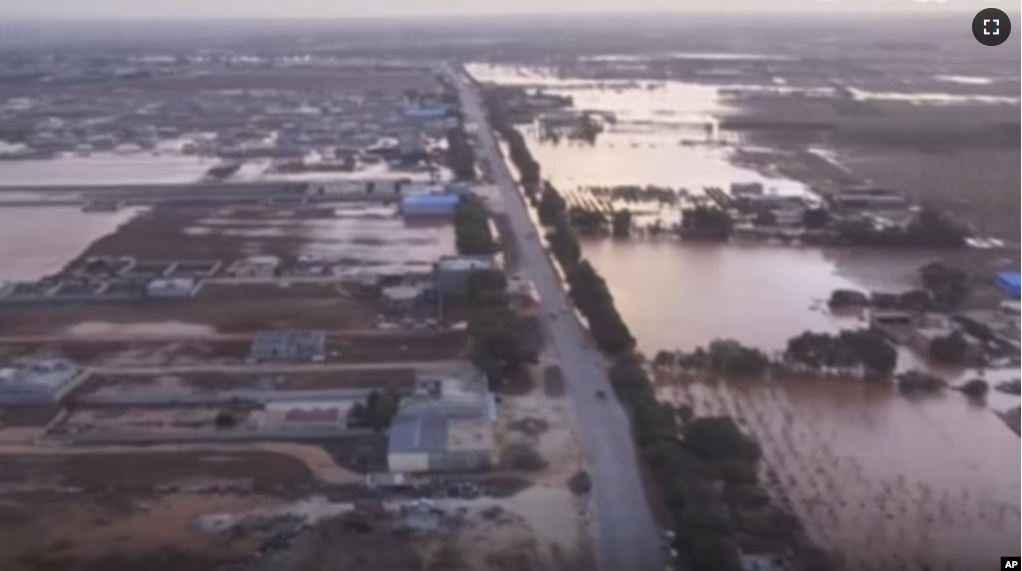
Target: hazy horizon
<point x="326" y="9"/>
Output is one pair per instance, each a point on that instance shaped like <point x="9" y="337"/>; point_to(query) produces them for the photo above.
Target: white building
<point x="39" y="382"/>
<point x="402" y="297"/>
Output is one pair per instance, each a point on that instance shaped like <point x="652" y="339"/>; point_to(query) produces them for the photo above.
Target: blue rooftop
<point x="1010" y="282"/>
<point x="437" y="199"/>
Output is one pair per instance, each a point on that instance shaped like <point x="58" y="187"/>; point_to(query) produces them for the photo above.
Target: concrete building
<point x="39" y="382"/>
<point x="422" y="205"/>
<point x="401" y="297"/>
<point x="427" y="444"/>
<point x="171" y="288"/>
<point x="447" y="425"/>
<point x="451" y="273"/>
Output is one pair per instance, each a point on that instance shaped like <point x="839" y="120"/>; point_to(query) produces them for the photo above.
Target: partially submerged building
<point x="39" y="381"/>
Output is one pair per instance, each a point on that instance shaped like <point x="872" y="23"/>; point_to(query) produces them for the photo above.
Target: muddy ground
<point x="380" y="379"/>
<point x="198" y="352"/>
<point x="355" y="82"/>
<point x="150" y="470"/>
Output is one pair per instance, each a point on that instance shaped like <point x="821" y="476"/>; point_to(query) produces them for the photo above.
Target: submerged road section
<point x="627" y="536"/>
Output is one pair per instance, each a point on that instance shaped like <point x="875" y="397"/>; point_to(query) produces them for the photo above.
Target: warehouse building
<point x="39" y="382"/>
<point x="437" y="444"/>
<point x="448" y="425"/>
<point x="423" y="205"/>
<point x="451" y="273"/>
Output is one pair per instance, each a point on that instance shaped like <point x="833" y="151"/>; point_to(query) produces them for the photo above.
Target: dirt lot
<point x="147" y="470"/>
<point x="221" y="308"/>
<point x="117" y="533"/>
<point x="381" y="379"/>
<point x="201" y="354"/>
<point x="533" y="530"/>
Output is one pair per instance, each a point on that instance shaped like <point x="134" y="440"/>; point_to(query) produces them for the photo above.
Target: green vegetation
<point x="948" y="286"/>
<point x="863" y="348"/>
<point x="501" y="341"/>
<point x="723" y="356"/>
<point x="461" y="157"/>
<point x="706" y="223"/>
<point x="691" y="459"/>
<point x="929" y="229"/>
<point x="707" y="472"/>
<point x="518" y="150"/>
<point x="950" y="349"/>
<point x="621" y="223"/>
<point x="377" y="412"/>
<point x="472" y="232"/>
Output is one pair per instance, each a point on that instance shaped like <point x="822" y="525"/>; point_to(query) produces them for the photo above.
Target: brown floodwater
<point x="881" y="481"/>
<point x="39" y="241"/>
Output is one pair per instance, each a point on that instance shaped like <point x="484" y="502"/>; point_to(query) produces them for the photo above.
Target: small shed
<point x="1011" y="283"/>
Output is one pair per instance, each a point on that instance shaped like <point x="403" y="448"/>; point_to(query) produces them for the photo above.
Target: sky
<point x="348" y="9"/>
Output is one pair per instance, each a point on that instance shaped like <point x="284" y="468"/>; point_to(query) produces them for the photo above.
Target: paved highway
<point x="627" y="536"/>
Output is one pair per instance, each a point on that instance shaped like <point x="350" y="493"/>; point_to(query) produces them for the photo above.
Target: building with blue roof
<point x="1011" y="283"/>
<point x="431" y="204"/>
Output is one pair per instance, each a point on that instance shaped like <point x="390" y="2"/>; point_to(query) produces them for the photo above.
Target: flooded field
<point x="882" y="481"/>
<point x="681" y="296"/>
<point x="38" y="241"/>
<point x="105" y="170"/>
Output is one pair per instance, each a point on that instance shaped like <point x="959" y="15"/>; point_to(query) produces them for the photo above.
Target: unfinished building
<point x="39" y="381"/>
<point x="288" y="347"/>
